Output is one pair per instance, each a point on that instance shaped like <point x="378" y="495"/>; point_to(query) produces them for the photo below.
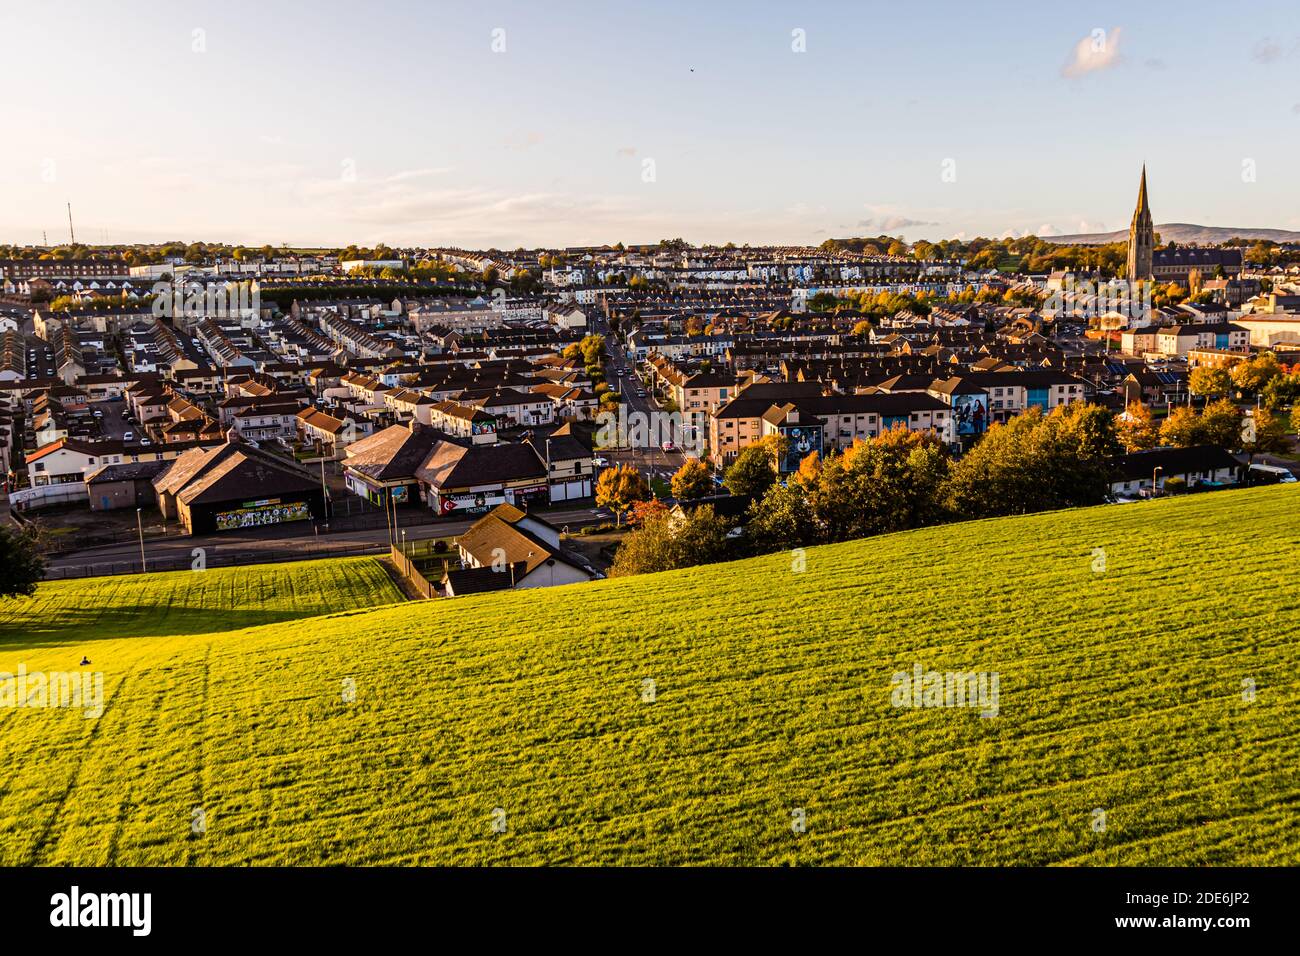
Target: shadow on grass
<point x="77" y="625"/>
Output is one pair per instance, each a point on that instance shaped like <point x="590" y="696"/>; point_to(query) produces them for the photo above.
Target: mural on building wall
<point x="971" y="413"/>
<point x="254" y="514"/>
<point x="804" y="440"/>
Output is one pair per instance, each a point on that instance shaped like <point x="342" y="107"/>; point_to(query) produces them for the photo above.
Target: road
<point x="651" y="459"/>
<point x="230" y="547"/>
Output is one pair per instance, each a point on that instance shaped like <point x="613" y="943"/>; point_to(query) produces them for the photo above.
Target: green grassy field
<point x="1121" y="690"/>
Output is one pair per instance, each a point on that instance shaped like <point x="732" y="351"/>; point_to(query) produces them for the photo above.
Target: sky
<point x="494" y="124"/>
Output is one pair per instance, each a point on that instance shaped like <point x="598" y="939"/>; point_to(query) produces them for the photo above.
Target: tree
<point x="1182" y="428"/>
<point x="782" y="519"/>
<point x="1136" y="428"/>
<point x="643" y="511"/>
<point x="693" y="480"/>
<point x="646" y="550"/>
<point x="1221" y="424"/>
<point x="1254" y="374"/>
<point x="1270" y="433"/>
<point x="22" y="566"/>
<point x="593" y="349"/>
<point x="1035" y="463"/>
<point x="665" y="542"/>
<point x="620" y="487"/>
<point x="1281" y="392"/>
<point x="753" y="471"/>
<point x="1174" y="485"/>
<point x="1210" y="382"/>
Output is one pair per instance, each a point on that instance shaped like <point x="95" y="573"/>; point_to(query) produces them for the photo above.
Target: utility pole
<point x="325" y="494"/>
<point x="139" y="526"/>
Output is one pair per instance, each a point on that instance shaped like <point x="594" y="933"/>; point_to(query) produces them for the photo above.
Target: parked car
<point x="600" y="462"/>
<point x="668" y="446"/>
<point x="128" y="436"/>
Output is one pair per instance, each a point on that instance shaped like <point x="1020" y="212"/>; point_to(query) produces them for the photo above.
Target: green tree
<point x="1270" y="431"/>
<point x="783" y="518"/>
<point x="753" y="471"/>
<point x="1034" y="462"/>
<point x="664" y="542"/>
<point x="1281" y="392"/>
<point x="22" y="565"/>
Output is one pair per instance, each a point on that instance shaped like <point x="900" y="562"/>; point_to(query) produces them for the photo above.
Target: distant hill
<point x="1183" y="233"/>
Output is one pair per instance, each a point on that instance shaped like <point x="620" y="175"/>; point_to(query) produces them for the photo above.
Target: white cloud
<point x="1099" y="50"/>
<point x="888" y="218"/>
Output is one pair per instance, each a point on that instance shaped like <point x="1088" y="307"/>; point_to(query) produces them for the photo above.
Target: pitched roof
<point x="394" y="452"/>
<point x="229" y="471"/>
<point x="450" y="465"/>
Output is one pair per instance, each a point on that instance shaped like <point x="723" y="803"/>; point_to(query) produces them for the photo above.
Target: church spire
<point x="1141" y="236"/>
<point x="1142" y="208"/>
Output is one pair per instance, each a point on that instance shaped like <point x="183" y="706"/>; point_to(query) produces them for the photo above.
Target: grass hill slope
<point x="1156" y="682"/>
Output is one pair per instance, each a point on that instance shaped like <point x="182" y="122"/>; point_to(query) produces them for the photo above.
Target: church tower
<point x="1141" y="236"/>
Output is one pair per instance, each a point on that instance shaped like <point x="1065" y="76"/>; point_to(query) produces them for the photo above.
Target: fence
<point x="213" y="559"/>
<point x="407" y="569"/>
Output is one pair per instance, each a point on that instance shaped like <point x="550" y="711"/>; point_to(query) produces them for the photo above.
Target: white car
<point x="668" y="446"/>
<point x="600" y="462"/>
<point x="128" y="436"/>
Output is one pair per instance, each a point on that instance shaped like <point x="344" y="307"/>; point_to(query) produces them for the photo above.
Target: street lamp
<point x="1155" y="472"/>
<point x="139" y="527"/>
<point x="403" y="541"/>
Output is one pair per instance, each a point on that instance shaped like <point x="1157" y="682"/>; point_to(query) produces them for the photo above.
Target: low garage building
<point x="235" y="486"/>
<point x="128" y="485"/>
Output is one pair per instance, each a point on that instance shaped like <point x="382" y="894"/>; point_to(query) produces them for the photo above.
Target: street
<point x="261" y="541"/>
<point x="651" y="459"/>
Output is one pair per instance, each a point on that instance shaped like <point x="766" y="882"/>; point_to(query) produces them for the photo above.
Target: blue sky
<point x="321" y="123"/>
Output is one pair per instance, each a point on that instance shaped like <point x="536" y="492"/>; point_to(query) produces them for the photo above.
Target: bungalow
<point x="1136" y="473"/>
<point x="519" y="549"/>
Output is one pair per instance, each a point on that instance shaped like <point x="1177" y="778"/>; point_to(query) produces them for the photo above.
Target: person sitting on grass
<point x="84" y="660"/>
